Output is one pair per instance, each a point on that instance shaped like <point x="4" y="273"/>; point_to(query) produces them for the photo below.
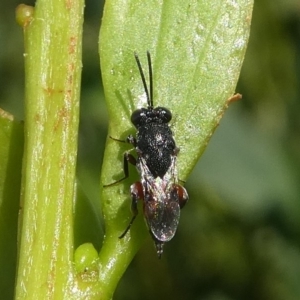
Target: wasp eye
<point x="163" y="114"/>
<point x="137" y="116"/>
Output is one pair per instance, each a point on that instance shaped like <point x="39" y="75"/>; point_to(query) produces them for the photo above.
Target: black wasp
<point x="156" y="163"/>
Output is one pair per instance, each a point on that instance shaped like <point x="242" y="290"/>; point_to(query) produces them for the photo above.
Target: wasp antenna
<point x="150" y="79"/>
<point x="149" y="100"/>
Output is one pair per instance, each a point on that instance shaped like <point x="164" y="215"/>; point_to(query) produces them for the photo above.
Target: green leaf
<point x="11" y="151"/>
<point x="197" y="49"/>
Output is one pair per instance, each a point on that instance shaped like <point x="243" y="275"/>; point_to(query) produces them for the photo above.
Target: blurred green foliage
<point x="239" y="236"/>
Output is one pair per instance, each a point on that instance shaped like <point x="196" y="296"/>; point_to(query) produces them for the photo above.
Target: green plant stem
<point x="53" y="39"/>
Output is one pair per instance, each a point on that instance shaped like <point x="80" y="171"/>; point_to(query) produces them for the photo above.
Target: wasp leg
<point x="137" y="194"/>
<point x="128" y="158"/>
<point x="179" y="193"/>
<point x="117" y="140"/>
<point x="131" y="140"/>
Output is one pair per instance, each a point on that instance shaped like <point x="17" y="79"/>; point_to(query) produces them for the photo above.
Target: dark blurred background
<point x="239" y="236"/>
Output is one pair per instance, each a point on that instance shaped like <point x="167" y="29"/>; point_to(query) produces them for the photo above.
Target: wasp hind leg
<point x="137" y="194"/>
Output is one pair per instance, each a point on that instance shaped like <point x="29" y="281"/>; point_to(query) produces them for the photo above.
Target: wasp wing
<point x="162" y="218"/>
